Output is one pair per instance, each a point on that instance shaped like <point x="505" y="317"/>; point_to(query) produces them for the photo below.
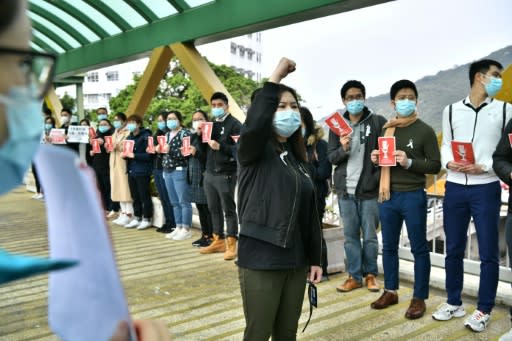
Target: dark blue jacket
<point x="142" y="163"/>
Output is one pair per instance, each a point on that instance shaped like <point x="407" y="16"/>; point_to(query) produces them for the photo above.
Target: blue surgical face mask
<point x="286" y="122"/>
<point x="21" y="110"/>
<point x="48" y="126"/>
<point x="117" y="124"/>
<point x="172" y="124"/>
<point x="103" y="129"/>
<point x="217" y="112"/>
<point x="161" y="125"/>
<point x="405" y="107"/>
<point x="131" y="127"/>
<point x="493" y="86"/>
<point x="102" y="117"/>
<point x="355" y="107"/>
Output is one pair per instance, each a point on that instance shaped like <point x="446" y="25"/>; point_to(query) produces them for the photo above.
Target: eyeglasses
<point x="39" y="68"/>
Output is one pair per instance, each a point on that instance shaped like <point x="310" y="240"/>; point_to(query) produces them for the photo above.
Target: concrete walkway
<point x="198" y="295"/>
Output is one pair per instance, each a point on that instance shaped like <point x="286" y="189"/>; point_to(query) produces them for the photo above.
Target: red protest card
<point x="96" y="146"/>
<point x="338" y="125"/>
<point x="185" y="143"/>
<point x="510" y="139"/>
<point x="109" y="145"/>
<point x="162" y="140"/>
<point x="206" y="130"/>
<point x="463" y="152"/>
<point x="151" y="145"/>
<point x="92" y="133"/>
<point x="387" y="148"/>
<point x="128" y="147"/>
<point x="235" y="138"/>
<point x="58" y="136"/>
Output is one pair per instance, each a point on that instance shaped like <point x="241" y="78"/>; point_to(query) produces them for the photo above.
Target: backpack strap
<point x="450" y="118"/>
<point x="504" y="116"/>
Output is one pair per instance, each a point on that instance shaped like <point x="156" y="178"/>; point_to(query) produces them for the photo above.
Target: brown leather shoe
<point x="371" y="283"/>
<point x="349" y="285"/>
<point x="416" y="309"/>
<point x="230" y="253"/>
<point x="217" y="245"/>
<point x="385" y="300"/>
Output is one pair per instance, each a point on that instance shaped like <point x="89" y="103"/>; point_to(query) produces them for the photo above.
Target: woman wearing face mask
<point x="196" y="168"/>
<point x="49" y="124"/>
<point x="120" y="190"/>
<point x="175" y="166"/>
<point x="158" y="175"/>
<point x="280" y="233"/>
<point x="140" y="167"/>
<point x="402" y="196"/>
<point x="88" y="156"/>
<point x="320" y="167"/>
<point x="100" y="164"/>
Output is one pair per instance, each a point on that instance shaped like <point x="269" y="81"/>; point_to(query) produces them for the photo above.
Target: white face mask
<point x="196" y="124"/>
<point x="64" y="119"/>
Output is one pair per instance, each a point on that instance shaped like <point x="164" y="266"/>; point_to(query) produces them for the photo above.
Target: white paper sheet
<point x="86" y="302"/>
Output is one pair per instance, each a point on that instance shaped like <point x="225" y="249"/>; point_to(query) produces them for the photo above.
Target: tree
<point x="178" y="92"/>
<point x="68" y="102"/>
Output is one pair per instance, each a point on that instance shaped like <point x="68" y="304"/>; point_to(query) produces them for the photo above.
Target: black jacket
<point x="157" y="159"/>
<point x="368" y="184"/>
<point x="142" y="163"/>
<point x="269" y="184"/>
<point x="502" y="160"/>
<point x="321" y="168"/>
<point x="100" y="162"/>
<point x="223" y="161"/>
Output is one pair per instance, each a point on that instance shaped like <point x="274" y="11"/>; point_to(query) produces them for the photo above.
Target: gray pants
<point x="220" y="195"/>
<point x="272" y="301"/>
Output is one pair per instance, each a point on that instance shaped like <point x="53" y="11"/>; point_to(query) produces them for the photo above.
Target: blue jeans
<point x="360" y="220"/>
<point x="411" y="207"/>
<point x="482" y="202"/>
<point x="178" y="189"/>
<point x="158" y="175"/>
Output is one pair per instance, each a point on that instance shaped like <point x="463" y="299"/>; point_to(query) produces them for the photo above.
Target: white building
<point x="243" y="53"/>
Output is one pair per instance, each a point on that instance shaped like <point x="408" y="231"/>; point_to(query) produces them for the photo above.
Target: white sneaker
<point x="111" y="214"/>
<point x="183" y="234"/>
<point x="37" y="196"/>
<point x="506" y="336"/>
<point x="446" y="311"/>
<point x="173" y="233"/>
<point x="123" y="220"/>
<point x="478" y="321"/>
<point x="134" y="223"/>
<point x="144" y="224"/>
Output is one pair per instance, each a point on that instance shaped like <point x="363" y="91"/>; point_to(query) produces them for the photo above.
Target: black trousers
<point x="205" y="219"/>
<point x="103" y="180"/>
<point x="36" y="178"/>
<point x="220" y="195"/>
<point x="139" y="189"/>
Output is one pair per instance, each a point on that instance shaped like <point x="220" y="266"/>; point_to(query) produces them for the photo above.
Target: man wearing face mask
<point x="220" y="177"/>
<point x="356" y="181"/>
<point x="402" y="196"/>
<point x="473" y="191"/>
<point x="101" y="114"/>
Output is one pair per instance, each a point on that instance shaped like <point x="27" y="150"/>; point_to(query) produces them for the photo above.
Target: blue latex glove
<point x="13" y="267"/>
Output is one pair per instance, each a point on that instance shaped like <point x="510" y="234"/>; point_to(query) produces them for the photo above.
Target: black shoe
<point x="165" y="229"/>
<point x="204" y="241"/>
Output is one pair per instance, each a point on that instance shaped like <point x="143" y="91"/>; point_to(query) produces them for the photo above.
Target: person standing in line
<point x="220" y="177"/>
<point x="402" y="196"/>
<point x="356" y="181"/>
<point x="280" y="230"/>
<point x="473" y="191"/>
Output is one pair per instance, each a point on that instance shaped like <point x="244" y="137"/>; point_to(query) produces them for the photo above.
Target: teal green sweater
<point x="419" y="142"/>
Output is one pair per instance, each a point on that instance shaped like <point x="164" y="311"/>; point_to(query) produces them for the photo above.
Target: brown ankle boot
<point x="230" y="253"/>
<point x="217" y="245"/>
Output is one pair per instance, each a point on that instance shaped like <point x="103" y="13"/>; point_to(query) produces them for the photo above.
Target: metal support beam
<point x="54" y="104"/>
<point x="146" y="89"/>
<point x="203" y="76"/>
<point x="506" y="91"/>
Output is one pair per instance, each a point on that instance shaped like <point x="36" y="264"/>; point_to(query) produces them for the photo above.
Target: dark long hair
<point x="295" y="141"/>
<point x="309" y="122"/>
<point x="8" y="12"/>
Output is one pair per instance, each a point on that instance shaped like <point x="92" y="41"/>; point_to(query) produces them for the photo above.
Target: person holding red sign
<point x="175" y="166"/>
<point x="473" y="190"/>
<point x="356" y="182"/>
<point x="402" y="196"/>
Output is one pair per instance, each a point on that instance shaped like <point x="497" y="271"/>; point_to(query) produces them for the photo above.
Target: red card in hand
<point x="109" y="146"/>
<point x="235" y="138"/>
<point x="338" y="125"/>
<point x="92" y="133"/>
<point x="128" y="147"/>
<point x="151" y="145"/>
<point x="185" y="143"/>
<point x="96" y="146"/>
<point x="162" y="140"/>
<point x="463" y="152"/>
<point x="510" y="139"/>
<point x="387" y="148"/>
<point x="206" y="130"/>
<point x="58" y="136"/>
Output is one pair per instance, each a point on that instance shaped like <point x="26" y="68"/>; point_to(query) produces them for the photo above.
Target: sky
<point x="384" y="43"/>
